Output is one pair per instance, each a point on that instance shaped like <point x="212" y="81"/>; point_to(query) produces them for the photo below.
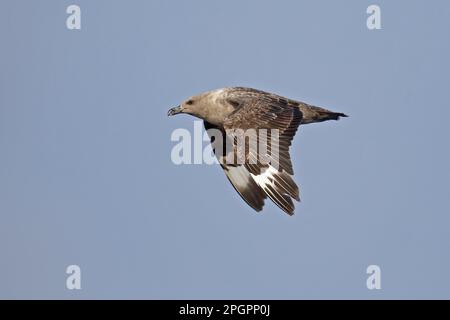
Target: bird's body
<point x="253" y="111"/>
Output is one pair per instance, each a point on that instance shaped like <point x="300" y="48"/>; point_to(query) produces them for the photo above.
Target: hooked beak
<point x="174" y="111"/>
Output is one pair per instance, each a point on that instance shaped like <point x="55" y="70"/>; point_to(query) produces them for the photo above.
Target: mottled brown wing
<point x="258" y="110"/>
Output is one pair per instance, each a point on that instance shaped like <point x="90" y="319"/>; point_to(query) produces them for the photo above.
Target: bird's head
<point x="189" y="106"/>
<point x="202" y="106"/>
<point x="210" y="106"/>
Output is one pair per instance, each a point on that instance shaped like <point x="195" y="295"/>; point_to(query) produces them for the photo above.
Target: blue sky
<point x="86" y="176"/>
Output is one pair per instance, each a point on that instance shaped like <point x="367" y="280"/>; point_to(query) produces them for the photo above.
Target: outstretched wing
<point x="257" y="110"/>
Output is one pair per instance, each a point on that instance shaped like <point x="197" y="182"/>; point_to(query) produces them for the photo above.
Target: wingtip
<point x="290" y="213"/>
<point x="258" y="210"/>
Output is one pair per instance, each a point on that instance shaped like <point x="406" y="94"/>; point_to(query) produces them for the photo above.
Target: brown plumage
<point x="254" y="112"/>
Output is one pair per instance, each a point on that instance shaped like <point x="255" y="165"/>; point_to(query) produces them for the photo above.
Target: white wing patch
<point x="279" y="187"/>
<point x="266" y="178"/>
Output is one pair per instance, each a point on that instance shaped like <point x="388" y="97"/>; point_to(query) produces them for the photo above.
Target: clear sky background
<point x="86" y="176"/>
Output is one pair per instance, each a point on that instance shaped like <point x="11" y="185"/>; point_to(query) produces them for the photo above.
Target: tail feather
<point x="336" y="115"/>
<point x="312" y="114"/>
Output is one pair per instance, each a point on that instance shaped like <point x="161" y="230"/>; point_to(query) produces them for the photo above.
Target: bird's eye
<point x="189" y="102"/>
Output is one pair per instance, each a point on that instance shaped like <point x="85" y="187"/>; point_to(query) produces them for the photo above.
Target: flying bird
<point x="229" y="109"/>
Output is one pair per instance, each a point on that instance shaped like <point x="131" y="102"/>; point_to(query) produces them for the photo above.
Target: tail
<point x="313" y="114"/>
